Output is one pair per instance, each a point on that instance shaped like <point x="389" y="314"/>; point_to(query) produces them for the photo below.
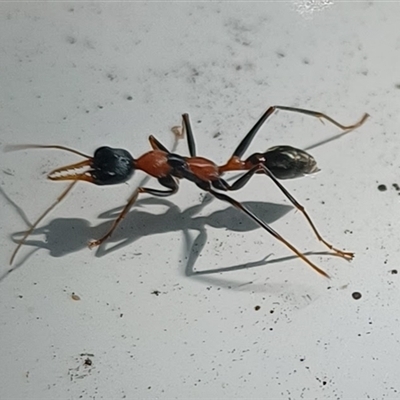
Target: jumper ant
<point x="110" y="166"/>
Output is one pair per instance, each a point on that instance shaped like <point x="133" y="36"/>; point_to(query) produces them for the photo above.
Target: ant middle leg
<point x="168" y="182"/>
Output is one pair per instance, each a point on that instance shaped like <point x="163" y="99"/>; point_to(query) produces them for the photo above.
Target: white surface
<point x="66" y="72"/>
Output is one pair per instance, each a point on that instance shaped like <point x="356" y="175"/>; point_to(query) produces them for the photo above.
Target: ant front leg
<point x="167" y="181"/>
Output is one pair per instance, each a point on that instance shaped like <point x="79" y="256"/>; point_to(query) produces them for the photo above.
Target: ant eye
<point x="287" y="162"/>
<point x="111" y="166"/>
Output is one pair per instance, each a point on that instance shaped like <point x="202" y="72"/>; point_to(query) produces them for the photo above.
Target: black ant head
<point x="287" y="162"/>
<point x="108" y="166"/>
<point x="111" y="166"/>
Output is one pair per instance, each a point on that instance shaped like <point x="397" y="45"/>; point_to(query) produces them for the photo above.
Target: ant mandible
<point x="110" y="166"/>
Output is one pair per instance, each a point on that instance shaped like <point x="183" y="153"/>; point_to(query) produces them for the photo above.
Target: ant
<point x="110" y="166"/>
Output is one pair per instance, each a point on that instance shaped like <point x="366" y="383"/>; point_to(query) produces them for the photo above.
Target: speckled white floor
<point x="188" y="299"/>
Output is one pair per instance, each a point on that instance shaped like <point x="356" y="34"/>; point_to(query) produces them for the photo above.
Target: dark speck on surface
<point x="382" y="188"/>
<point x="88" y="362"/>
<point x="71" y="40"/>
<point x="394" y="271"/>
<point x="257" y="308"/>
<point x="111" y="77"/>
<point x="129" y="97"/>
<point x="356" y="295"/>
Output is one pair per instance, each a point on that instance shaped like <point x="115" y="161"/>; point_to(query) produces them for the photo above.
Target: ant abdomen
<point x="111" y="166"/>
<point x="287" y="162"/>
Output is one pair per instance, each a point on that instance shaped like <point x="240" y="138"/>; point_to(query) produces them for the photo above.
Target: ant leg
<point x="244" y="144"/>
<point x="222" y="184"/>
<point x="345" y="254"/>
<point x="187" y="127"/>
<point x="244" y="179"/>
<point x="168" y="182"/>
<point x="241" y="207"/>
<point x="157" y="145"/>
<point x="179" y="132"/>
<point x="36" y="223"/>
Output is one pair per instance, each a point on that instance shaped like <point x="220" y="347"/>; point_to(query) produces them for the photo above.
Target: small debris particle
<point x="8" y="172"/>
<point x="75" y="296"/>
<point x="121" y="315"/>
<point x="88" y="362"/>
<point x="396" y="186"/>
<point x="218" y="134"/>
<point x="156" y="292"/>
<point x="111" y="77"/>
<point x="382" y="188"/>
<point x="71" y="40"/>
<point x="257" y="308"/>
<point x="356" y="295"/>
<point x="393" y="271"/>
<point x="129" y="98"/>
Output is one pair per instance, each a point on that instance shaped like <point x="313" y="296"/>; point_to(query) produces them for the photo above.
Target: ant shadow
<point x="63" y="236"/>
